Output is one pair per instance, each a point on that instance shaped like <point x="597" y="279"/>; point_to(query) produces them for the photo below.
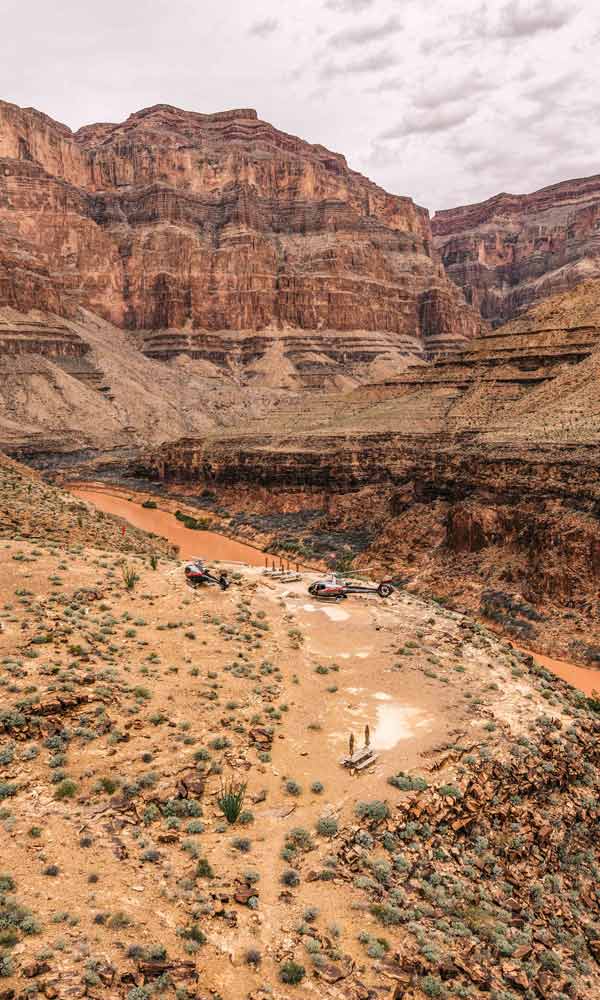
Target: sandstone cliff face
<point x="511" y="251"/>
<point x="477" y="472"/>
<point x="194" y="224"/>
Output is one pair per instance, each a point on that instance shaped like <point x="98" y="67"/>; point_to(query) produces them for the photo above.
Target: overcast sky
<point x="448" y="101"/>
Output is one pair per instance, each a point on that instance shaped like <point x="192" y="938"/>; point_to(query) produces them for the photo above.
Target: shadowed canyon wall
<point x="511" y="251"/>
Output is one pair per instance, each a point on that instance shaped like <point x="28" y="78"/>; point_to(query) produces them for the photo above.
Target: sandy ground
<point x="168" y="671"/>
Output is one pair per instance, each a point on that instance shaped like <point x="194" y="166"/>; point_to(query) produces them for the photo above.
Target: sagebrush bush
<point x="291" y="973"/>
<point x="327" y="826"/>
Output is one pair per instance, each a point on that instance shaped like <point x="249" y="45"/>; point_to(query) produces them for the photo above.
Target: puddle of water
<point x="208" y="544"/>
<point x="394" y="721"/>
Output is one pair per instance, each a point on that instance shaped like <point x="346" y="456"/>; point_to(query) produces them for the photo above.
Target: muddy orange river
<point x="584" y="678"/>
<point x="207" y="544"/>
<point x="211" y="545"/>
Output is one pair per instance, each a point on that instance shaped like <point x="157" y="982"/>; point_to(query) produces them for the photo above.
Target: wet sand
<point x="208" y="544"/>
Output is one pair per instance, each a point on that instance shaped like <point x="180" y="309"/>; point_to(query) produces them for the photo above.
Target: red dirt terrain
<point x="462" y="862"/>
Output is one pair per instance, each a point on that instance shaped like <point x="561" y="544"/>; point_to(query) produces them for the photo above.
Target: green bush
<point x="67" y="789"/>
<point x="231" y="799"/>
<point x="407" y="782"/>
<point x="291" y="973"/>
<point x="327" y="826"/>
<point x="375" y="810"/>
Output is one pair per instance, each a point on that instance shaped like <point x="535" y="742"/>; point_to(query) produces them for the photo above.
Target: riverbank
<point x="209" y="544"/>
<point x="216" y="545"/>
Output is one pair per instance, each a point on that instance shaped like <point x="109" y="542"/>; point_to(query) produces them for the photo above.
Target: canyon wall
<point x="475" y="475"/>
<point x="511" y="251"/>
<point x="186" y="225"/>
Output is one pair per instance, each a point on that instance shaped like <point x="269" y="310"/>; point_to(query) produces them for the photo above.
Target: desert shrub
<point x="219" y="743"/>
<point x="290" y="877"/>
<point x="6" y="966"/>
<point x="432" y="986"/>
<point x="231" y="799"/>
<point x="203" y="869"/>
<point x="292" y="787"/>
<point x="374" y="810"/>
<point x="407" y="782"/>
<point x="7" y="883"/>
<point x="327" y="826"/>
<point x="130" y="577"/>
<point x="291" y="973"/>
<point x="451" y="790"/>
<point x="195" y="826"/>
<point x="386" y="914"/>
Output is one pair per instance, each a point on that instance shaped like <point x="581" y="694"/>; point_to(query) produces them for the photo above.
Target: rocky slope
<point x="511" y="251"/>
<point x="211" y="228"/>
<point x="476" y="475"/>
<point x="75" y="389"/>
<point x="463" y="862"/>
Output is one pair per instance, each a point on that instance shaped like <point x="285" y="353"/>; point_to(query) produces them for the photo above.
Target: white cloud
<point x="375" y="62"/>
<point x="349" y="6"/>
<point x="264" y="27"/>
<point x="473" y="97"/>
<point x="429" y="121"/>
<point x="365" y="33"/>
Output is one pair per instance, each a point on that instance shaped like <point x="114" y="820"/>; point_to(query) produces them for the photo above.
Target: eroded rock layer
<point x="511" y="251"/>
<point x="477" y="475"/>
<point x="185" y="225"/>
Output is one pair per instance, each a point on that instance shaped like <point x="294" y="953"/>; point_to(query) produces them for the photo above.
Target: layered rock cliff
<point x="476" y="475"/>
<point x="511" y="251"/>
<point x="187" y="226"/>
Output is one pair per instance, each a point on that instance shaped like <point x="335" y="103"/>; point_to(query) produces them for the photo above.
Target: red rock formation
<point x="510" y="251"/>
<point x="180" y="221"/>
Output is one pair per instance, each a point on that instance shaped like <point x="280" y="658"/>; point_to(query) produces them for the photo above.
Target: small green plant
<point x="374" y="810"/>
<point x="66" y="789"/>
<point x="327" y="826"/>
<point x="204" y="869"/>
<point x="153" y="560"/>
<point x="231" y="799"/>
<point x="407" y="782"/>
<point x="291" y="973"/>
<point x="130" y="577"/>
